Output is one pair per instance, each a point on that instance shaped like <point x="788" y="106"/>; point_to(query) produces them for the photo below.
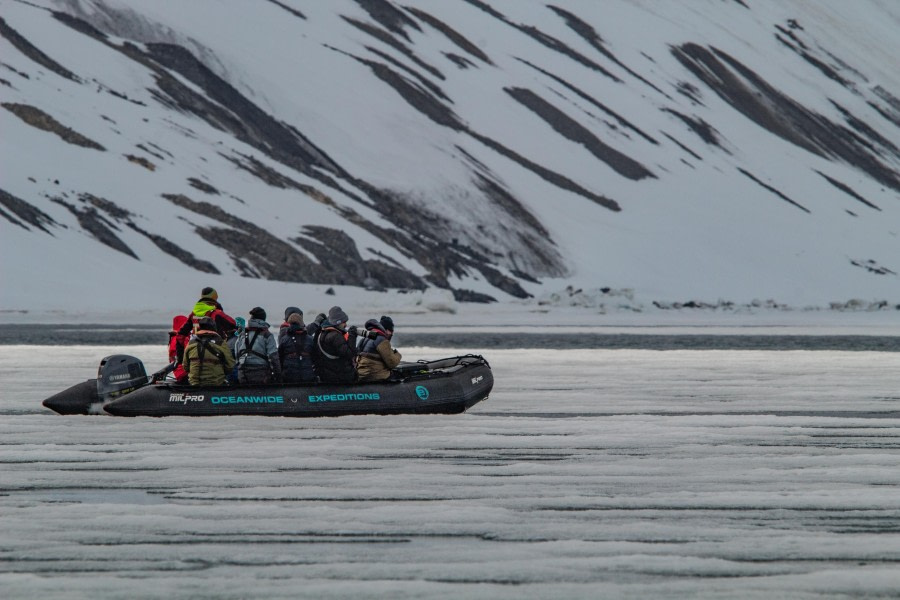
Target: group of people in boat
<point x="209" y="347"/>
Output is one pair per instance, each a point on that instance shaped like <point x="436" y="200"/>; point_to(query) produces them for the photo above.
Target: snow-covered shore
<point x="568" y="309"/>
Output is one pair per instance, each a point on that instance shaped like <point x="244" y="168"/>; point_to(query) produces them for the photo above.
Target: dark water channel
<point x="53" y="335"/>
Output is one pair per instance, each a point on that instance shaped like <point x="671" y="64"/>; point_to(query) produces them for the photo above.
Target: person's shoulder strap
<point x="319" y="336"/>
<point x="247" y="342"/>
<point x="248" y="346"/>
<point x="205" y="345"/>
<point x="201" y="352"/>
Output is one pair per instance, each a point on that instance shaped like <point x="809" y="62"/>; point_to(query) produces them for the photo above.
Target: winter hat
<point x="240" y="322"/>
<point x="387" y="323"/>
<point x="337" y="315"/>
<point x="295" y="318"/>
<point x="290" y="310"/>
<point x="258" y="313"/>
<point x="207" y="323"/>
<point x="209" y="292"/>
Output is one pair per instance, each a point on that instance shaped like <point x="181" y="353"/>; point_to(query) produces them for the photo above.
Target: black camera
<point x="363" y="332"/>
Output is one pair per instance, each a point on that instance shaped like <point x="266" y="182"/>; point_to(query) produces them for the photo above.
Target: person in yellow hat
<point x="208" y="306"/>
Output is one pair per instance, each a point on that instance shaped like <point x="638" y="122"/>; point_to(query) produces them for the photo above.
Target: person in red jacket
<point x="208" y="306"/>
<point x="177" y="344"/>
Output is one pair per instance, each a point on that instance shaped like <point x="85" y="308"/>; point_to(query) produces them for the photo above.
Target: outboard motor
<point x="118" y="375"/>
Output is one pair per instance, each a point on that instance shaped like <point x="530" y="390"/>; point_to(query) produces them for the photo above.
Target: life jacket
<point x="368" y="345"/>
<point x="207" y="307"/>
<point x="201" y="309"/>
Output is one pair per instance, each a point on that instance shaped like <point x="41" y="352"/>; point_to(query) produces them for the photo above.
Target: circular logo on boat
<point x="422" y="392"/>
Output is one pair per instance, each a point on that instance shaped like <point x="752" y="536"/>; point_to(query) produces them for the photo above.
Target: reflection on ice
<point x="620" y="473"/>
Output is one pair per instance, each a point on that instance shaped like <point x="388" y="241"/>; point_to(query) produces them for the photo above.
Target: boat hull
<point x="447" y="386"/>
<point x="80" y="399"/>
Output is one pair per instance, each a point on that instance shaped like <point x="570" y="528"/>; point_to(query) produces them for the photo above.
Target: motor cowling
<point x="120" y="374"/>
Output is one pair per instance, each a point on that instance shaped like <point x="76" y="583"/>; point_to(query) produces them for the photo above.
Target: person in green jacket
<point x="207" y="358"/>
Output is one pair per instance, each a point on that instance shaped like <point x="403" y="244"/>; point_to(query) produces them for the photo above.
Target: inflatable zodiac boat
<point x="122" y="388"/>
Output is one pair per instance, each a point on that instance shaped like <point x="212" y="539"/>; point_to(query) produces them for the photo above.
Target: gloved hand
<point x="319" y="318"/>
<point x="352" y="330"/>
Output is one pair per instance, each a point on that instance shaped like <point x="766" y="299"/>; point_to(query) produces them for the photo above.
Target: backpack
<point x="248" y="342"/>
<point x="204" y="345"/>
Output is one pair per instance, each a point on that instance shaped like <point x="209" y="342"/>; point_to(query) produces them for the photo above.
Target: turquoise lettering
<point x="343" y="397"/>
<point x="247" y="399"/>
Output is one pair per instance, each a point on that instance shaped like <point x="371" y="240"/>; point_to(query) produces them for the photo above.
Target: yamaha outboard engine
<point x="118" y="375"/>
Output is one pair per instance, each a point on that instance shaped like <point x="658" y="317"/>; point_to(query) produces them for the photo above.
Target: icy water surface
<point x="587" y="474"/>
<point x="556" y="338"/>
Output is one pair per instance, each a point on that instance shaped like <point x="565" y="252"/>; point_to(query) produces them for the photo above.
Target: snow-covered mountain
<point x="461" y="150"/>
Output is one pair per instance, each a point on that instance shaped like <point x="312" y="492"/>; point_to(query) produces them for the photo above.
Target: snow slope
<point x="708" y="151"/>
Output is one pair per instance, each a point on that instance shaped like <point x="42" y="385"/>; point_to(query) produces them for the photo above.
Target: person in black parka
<point x="295" y="344"/>
<point x="334" y="349"/>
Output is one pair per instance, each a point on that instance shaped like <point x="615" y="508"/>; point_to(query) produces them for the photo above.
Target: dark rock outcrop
<point x="173" y="249"/>
<point x="98" y="226"/>
<point x="41" y="120"/>
<point x="759" y="101"/>
<point x="454" y="36"/>
<point x="203" y="186"/>
<point x="847" y="190"/>
<point x="572" y="130"/>
<point x="25" y="212"/>
<point x="775" y="191"/>
<point x="392" y="18"/>
<point x="32" y="52"/>
<point x="461" y="295"/>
